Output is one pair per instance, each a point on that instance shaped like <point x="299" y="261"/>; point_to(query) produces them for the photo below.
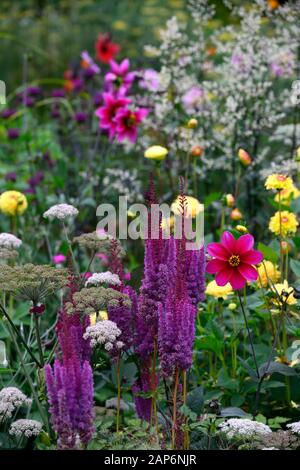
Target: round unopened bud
<point x="230" y="200"/>
<point x="236" y="214"/>
<point x="241" y="229"/>
<point x="192" y="124"/>
<point x="244" y="157"/>
<point x="285" y="247"/>
<point x="232" y="306"/>
<point x="197" y="150"/>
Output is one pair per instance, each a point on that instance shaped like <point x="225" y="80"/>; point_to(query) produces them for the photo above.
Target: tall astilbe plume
<point x="158" y="269"/>
<point x="176" y="329"/>
<point x="122" y="315"/>
<point x="70" y="395"/>
<point x="70" y="382"/>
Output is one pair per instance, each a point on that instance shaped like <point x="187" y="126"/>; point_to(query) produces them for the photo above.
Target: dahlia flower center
<point x="284" y="220"/>
<point x="132" y="119"/>
<point x="234" y="260"/>
<point x="281" y="177"/>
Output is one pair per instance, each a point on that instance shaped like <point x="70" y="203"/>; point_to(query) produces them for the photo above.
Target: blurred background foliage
<point x="53" y="33"/>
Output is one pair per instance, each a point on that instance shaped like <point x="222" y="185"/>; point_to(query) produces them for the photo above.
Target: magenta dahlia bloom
<point x="107" y="112"/>
<point x="233" y="260"/>
<point x="120" y="75"/>
<point x="127" y="123"/>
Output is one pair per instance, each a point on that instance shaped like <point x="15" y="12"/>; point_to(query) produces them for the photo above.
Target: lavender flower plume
<point x="70" y="395"/>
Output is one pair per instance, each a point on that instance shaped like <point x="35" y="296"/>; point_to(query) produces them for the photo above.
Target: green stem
<point x="28" y="378"/>
<point x="38" y="338"/>
<point x="249" y="334"/>
<point x="119" y="395"/>
<point x="12" y="326"/>
<point x="71" y="249"/>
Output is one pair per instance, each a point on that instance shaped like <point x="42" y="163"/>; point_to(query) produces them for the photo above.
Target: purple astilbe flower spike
<point x="124" y="317"/>
<point x="142" y="403"/>
<point x="195" y="274"/>
<point x="70" y="395"/>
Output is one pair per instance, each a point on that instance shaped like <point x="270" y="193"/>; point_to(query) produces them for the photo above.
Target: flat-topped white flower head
<point x="8" y="240"/>
<point x="294" y="427"/>
<point x="104" y="333"/>
<point x="61" y="212"/>
<point x="26" y="427"/>
<point x="243" y="428"/>
<point x="6" y="410"/>
<point x="14" y="396"/>
<point x="103" y="278"/>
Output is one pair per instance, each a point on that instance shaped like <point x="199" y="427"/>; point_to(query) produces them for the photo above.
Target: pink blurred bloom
<point x="107" y="113"/>
<point x="59" y="258"/>
<point x="150" y="80"/>
<point x="193" y="97"/>
<point x="88" y="63"/>
<point x="233" y="260"/>
<point x="119" y="74"/>
<point x="103" y="258"/>
<point x="127" y="123"/>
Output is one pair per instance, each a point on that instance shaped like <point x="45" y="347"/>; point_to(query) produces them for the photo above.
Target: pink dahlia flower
<point x="127" y="122"/>
<point x="119" y="74"/>
<point x="233" y="260"/>
<point x="107" y="113"/>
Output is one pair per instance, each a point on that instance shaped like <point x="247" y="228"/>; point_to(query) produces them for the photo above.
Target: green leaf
<point x="249" y="369"/>
<point x="237" y="400"/>
<point x="268" y="253"/>
<point x="276" y="367"/>
<point x="195" y="400"/>
<point x="211" y="198"/>
<point x="295" y="267"/>
<point x="233" y="411"/>
<point x="295" y="205"/>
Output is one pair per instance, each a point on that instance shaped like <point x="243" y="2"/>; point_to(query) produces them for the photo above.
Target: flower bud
<point x="197" y="150"/>
<point x="285" y="247"/>
<point x="38" y="309"/>
<point x="236" y="214"/>
<point x="241" y="229"/>
<point x="156" y="152"/>
<point x="244" y="157"/>
<point x="232" y="306"/>
<point x="192" y="124"/>
<point x="230" y="200"/>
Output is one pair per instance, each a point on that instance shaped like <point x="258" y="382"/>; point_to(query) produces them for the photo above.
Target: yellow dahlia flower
<point x="278" y="182"/>
<point x="13" y="203"/>
<point x="280" y="289"/>
<point x="216" y="291"/>
<point x="156" y="152"/>
<point x="267" y="271"/>
<point x="289" y="223"/>
<point x="286" y="195"/>
<point x="193" y="206"/>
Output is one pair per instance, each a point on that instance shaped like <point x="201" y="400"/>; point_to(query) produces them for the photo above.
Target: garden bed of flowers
<point x="118" y="329"/>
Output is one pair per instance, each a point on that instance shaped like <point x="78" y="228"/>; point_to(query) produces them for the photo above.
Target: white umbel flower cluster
<point x="61" y="212"/>
<point x="104" y="333"/>
<point x="10" y="241"/>
<point x="26" y="427"/>
<point x="243" y="428"/>
<point x="294" y="427"/>
<point x="103" y="278"/>
<point x="10" y="399"/>
<point x="6" y="410"/>
<point x="14" y="396"/>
